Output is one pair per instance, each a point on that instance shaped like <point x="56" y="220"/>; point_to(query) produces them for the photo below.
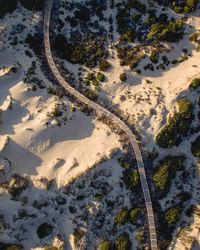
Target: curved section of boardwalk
<point x="101" y="110"/>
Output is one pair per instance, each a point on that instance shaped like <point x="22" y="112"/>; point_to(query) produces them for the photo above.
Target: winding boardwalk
<point x="101" y="110"/>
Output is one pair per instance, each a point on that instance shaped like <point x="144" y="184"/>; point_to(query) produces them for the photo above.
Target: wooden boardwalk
<point x="101" y="110"/>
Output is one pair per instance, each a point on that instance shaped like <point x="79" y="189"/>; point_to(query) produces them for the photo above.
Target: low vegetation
<point x="172" y="215"/>
<point x="84" y="52"/>
<point x="123" y="242"/>
<point x="177" y="126"/>
<point x="166" y="170"/>
<point x="171" y="32"/>
<point x="195" y="148"/>
<point x="123" y="77"/>
<point x="34" y="5"/>
<point x="122" y="217"/>
<point x="7" y="7"/>
<point x="105" y="245"/>
<point x="195" y="84"/>
<point x="131" y="178"/>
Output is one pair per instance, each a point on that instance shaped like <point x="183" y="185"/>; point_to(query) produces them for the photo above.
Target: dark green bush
<point x="128" y="36"/>
<point x="195" y="148"/>
<point x="134" y="215"/>
<point x="172" y="215"/>
<point x="131" y="178"/>
<point x="123" y="242"/>
<point x="34" y="5"/>
<point x="122" y="217"/>
<point x="123" y="77"/>
<point x="7" y="6"/>
<point x="105" y="245"/>
<point x="178" y="125"/>
<point x="137" y="5"/>
<point x="171" y="32"/>
<point x="100" y="77"/>
<point x="44" y="230"/>
<point x="195" y="83"/>
<point x="104" y="65"/>
<point x="166" y="170"/>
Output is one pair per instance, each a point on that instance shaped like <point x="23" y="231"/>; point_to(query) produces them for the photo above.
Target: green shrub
<point x="7" y="7"/>
<point x="178" y="125"/>
<point x="128" y="36"/>
<point x="123" y="242"/>
<point x="100" y="77"/>
<point x="137" y="5"/>
<point x="165" y="171"/>
<point x="34" y="5"/>
<point x="123" y="77"/>
<point x="122" y="217"/>
<point x="86" y="82"/>
<point x="124" y="163"/>
<point x="104" y="65"/>
<point x="154" y="57"/>
<point x="172" y="215"/>
<point x="105" y="245"/>
<point x="131" y="178"/>
<point x="195" y="148"/>
<point x="161" y="177"/>
<point x="78" y="234"/>
<point x="195" y="83"/>
<point x="90" y="76"/>
<point x="171" y="32"/>
<point x="95" y="83"/>
<point x="44" y="230"/>
<point x="134" y="215"/>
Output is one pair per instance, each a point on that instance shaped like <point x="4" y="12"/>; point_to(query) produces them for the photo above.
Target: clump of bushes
<point x="104" y="65"/>
<point x="85" y="51"/>
<point x="100" y="77"/>
<point x="123" y="242"/>
<point x="172" y="215"/>
<point x="134" y="215"/>
<point x="123" y="77"/>
<point x="177" y="126"/>
<point x="131" y="178"/>
<point x="171" y="32"/>
<point x="78" y="234"/>
<point x="166" y="170"/>
<point x="129" y="56"/>
<point x="137" y="5"/>
<point x="105" y="245"/>
<point x="195" y="84"/>
<point x="34" y="5"/>
<point x="7" y="7"/>
<point x="154" y="57"/>
<point x="195" y="148"/>
<point x="34" y="42"/>
<point x="128" y="36"/>
<point x="122" y="217"/>
<point x="44" y="230"/>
